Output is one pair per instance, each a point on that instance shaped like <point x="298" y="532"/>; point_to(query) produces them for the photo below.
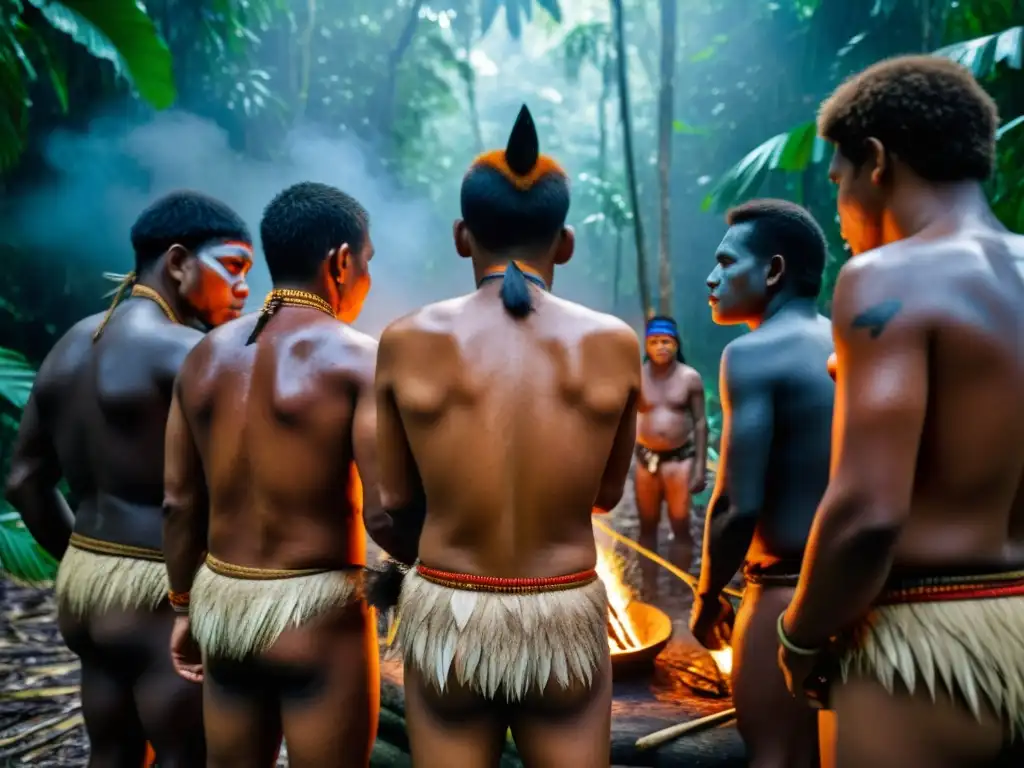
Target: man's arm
<point x="613" y="481"/>
<point x="403" y="506"/>
<point x="186" y="505"/>
<point x="747" y="418"/>
<point x="700" y="423"/>
<point x="364" y="438"/>
<point x="32" y="482"/>
<point x="881" y="397"/>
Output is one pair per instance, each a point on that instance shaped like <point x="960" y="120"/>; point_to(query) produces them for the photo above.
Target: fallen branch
<point x="665" y="735"/>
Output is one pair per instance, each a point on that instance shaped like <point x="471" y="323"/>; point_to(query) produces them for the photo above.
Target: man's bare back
<point x="967" y="302"/>
<point x="504" y="420"/>
<point x="271" y="416"/>
<point x="273" y="423"/>
<point x="532" y="409"/>
<point x="97" y="416"/>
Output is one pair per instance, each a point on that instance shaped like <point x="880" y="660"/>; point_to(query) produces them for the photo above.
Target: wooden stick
<point x="666" y="735"/>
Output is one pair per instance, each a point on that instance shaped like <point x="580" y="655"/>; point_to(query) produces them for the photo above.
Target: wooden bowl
<point x="654" y="630"/>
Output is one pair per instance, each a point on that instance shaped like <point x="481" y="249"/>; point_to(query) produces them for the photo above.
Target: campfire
<point x="637" y="632"/>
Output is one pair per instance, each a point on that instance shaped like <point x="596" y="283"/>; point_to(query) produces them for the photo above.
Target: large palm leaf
<point x="16" y="377"/>
<point x="116" y="30"/>
<point x="793" y="150"/>
<point x="21" y="558"/>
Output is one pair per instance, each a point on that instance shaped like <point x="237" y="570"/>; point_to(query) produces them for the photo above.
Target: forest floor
<point x="40" y="711"/>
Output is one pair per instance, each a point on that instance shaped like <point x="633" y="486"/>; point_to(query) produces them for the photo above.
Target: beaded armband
<point x="179" y="601"/>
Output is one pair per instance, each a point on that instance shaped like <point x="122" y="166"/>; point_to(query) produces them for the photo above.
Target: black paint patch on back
<point x="876" y="318"/>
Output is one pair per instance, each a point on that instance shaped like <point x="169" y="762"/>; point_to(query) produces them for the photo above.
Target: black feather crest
<point x="523" y="148"/>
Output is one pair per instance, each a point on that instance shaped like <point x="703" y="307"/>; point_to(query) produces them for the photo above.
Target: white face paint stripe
<point x="211" y="262"/>
<point x="211" y="257"/>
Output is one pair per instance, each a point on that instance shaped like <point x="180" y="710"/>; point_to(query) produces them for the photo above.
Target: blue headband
<point x="662" y="328"/>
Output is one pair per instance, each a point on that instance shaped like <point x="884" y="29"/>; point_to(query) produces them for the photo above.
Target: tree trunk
<point x="665" y="109"/>
<point x="607" y="79"/>
<point x="469" y="33"/>
<point x="387" y="104"/>
<point x="627" y="146"/>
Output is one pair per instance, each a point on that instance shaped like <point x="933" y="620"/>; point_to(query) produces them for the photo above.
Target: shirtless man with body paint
<point x="97" y="416"/>
<point x="910" y="604"/>
<point x="506" y="418"/>
<point x="777" y="403"/>
<point x="263" y="534"/>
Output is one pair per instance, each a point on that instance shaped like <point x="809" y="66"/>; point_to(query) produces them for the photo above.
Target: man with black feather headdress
<point x="506" y="418"/>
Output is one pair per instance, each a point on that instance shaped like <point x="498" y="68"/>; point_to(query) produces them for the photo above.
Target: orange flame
<point x="622" y="632"/>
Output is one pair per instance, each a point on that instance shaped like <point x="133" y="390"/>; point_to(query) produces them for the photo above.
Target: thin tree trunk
<point x="607" y="78"/>
<point x="394" y="59"/>
<point x="618" y="268"/>
<point x="665" y="108"/>
<point x="306" y="65"/>
<point x="627" y="146"/>
<point x="469" y="40"/>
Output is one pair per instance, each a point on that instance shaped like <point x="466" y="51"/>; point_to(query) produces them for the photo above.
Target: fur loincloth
<point x="98" y="576"/>
<point x="514" y="640"/>
<point x="239" y="612"/>
<point x="964" y="635"/>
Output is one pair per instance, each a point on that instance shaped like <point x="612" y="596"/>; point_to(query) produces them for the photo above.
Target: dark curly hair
<point x="303" y="223"/>
<point x="186" y="218"/>
<point x="785" y="228"/>
<point x="928" y="111"/>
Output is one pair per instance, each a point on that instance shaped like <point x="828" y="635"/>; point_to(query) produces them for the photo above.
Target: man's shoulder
<point x="436" y="317"/>
<point x="749" y="358"/>
<point x="70" y="352"/>
<point x="590" y="323"/>
<point x="690" y="375"/>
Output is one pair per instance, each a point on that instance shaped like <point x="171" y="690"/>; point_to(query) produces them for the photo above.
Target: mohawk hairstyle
<point x="928" y="111"/>
<point x="186" y="218"/>
<point x="303" y="223"/>
<point x="514" y="198"/>
<point x="787" y="229"/>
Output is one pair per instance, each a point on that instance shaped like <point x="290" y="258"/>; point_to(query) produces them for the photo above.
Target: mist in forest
<point x="104" y="177"/>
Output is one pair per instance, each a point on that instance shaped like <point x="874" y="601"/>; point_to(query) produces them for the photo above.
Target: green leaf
<point x="120" y="32"/>
<point x="512" y="20"/>
<point x="982" y="54"/>
<point x="16" y="377"/>
<point x="1005" y="128"/>
<point x="683" y="127"/>
<point x="791" y="151"/>
<point x="553" y="9"/>
<point x="22" y="560"/>
<point x="488" y="12"/>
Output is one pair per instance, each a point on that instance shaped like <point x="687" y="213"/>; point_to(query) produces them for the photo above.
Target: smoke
<point x="105" y="176"/>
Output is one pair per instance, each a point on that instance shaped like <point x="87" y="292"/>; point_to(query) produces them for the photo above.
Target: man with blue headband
<point x="671" y="441"/>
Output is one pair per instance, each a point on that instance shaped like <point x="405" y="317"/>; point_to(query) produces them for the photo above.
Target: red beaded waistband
<point x="505" y="585"/>
<point x="982" y="587"/>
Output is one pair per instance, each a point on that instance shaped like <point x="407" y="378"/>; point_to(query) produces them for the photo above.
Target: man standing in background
<point x="671" y="442"/>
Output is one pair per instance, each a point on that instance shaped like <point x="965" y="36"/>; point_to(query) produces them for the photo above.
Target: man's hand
<point x="800" y="675"/>
<point x="833" y="365"/>
<point x="711" y="622"/>
<point x="698" y="480"/>
<point x="185" y="654"/>
<point x="802" y="672"/>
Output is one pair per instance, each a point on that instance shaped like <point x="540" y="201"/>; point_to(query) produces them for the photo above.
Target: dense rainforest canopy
<point x="665" y="112"/>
